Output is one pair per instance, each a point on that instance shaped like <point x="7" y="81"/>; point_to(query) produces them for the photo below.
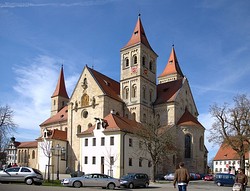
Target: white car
<point x="92" y="180"/>
<point x="21" y="174"/>
<point x="169" y="176"/>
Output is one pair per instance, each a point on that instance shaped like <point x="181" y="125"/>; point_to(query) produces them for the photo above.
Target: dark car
<point x="132" y="180"/>
<point x="224" y="179"/>
<point x="21" y="174"/>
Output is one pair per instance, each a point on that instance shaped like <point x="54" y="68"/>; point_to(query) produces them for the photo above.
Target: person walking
<point x="181" y="177"/>
<point x="241" y="178"/>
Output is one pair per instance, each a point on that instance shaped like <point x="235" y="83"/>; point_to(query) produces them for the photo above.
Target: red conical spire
<point x="138" y="36"/>
<point x="60" y="88"/>
<point x="172" y="66"/>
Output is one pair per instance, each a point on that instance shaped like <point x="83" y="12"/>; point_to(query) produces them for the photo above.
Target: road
<point x="193" y="186"/>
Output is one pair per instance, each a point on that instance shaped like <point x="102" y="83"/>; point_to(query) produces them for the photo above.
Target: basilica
<point x="92" y="129"/>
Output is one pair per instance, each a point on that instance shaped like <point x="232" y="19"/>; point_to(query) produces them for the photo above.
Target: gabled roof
<point x="227" y="153"/>
<point x="187" y="119"/>
<point x="60" y="88"/>
<point x="109" y="86"/>
<point x="55" y="134"/>
<point x="166" y="92"/>
<point x="172" y="67"/>
<point x="62" y="115"/>
<point x="115" y="123"/>
<point x="29" y="144"/>
<point x="138" y="36"/>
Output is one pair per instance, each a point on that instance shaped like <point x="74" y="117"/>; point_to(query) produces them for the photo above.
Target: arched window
<point x="134" y="116"/>
<point x="79" y="129"/>
<point x="201" y="143"/>
<point x="85" y="114"/>
<point x="33" y="154"/>
<point x="134" y="90"/>
<point x="150" y="66"/>
<point x="158" y="120"/>
<point x="188" y="142"/>
<point x="135" y="60"/>
<point x="144" y="92"/>
<point x="143" y="61"/>
<point x="126" y="62"/>
<point x="126" y="92"/>
<point x="150" y="95"/>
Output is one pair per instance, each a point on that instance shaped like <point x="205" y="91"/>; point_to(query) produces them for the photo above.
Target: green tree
<point x="231" y="125"/>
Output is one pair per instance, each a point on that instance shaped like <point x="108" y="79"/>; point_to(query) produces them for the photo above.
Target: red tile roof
<point x="166" y="92"/>
<point x="227" y="153"/>
<point x="172" y="67"/>
<point x="60" y="88"/>
<point x="110" y="87"/>
<point x="62" y="116"/>
<point x="187" y="119"/>
<point x="138" y="36"/>
<point x="29" y="144"/>
<point x="55" y="134"/>
<point x="116" y="123"/>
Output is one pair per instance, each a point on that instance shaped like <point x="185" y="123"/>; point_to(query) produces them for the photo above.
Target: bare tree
<point x="46" y="148"/>
<point x="7" y="125"/>
<point x="156" y="141"/>
<point x="110" y="158"/>
<point x="231" y="125"/>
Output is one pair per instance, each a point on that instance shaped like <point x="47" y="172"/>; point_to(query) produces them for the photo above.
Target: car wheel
<point x="29" y="181"/>
<point x="218" y="184"/>
<point x="146" y="185"/>
<point x="111" y="186"/>
<point x="131" y="185"/>
<point x="77" y="184"/>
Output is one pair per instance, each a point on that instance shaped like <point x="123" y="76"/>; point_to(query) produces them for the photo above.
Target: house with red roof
<point x="227" y="160"/>
<point x="96" y="123"/>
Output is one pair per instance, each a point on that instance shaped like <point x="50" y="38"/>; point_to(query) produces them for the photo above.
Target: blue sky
<point x="211" y="39"/>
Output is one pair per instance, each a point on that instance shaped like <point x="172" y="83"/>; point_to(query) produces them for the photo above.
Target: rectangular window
<point x="86" y="142"/>
<point x="111" y="140"/>
<point x="94" y="142"/>
<point x="140" y="162"/>
<point x="102" y="141"/>
<point x="130" y="162"/>
<point x="85" y="160"/>
<point x="130" y="142"/>
<point x="111" y="160"/>
<point x="93" y="160"/>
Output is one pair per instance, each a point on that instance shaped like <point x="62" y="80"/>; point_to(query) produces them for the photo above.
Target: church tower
<point x="138" y="75"/>
<point x="60" y="97"/>
<point x="172" y="70"/>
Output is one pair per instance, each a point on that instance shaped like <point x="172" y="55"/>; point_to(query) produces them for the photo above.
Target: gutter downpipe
<point x="123" y="153"/>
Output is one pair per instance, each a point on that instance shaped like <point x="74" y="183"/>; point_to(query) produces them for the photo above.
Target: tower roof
<point x="60" y="88"/>
<point x="172" y="66"/>
<point x="138" y="36"/>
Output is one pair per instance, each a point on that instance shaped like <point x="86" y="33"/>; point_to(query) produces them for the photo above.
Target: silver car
<point x="92" y="180"/>
<point x="21" y="174"/>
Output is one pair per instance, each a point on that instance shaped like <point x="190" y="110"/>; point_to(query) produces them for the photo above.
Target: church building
<point x="95" y="124"/>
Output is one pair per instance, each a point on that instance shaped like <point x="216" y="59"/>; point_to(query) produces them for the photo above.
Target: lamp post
<point x="57" y="151"/>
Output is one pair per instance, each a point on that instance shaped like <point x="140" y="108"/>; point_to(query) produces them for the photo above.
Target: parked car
<point x="132" y="180"/>
<point x="169" y="176"/>
<point x="21" y="174"/>
<point x="222" y="179"/>
<point x="208" y="177"/>
<point x="92" y="180"/>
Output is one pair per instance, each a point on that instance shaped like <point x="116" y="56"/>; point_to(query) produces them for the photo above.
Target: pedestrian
<point x="14" y="165"/>
<point x="181" y="177"/>
<point x="9" y="165"/>
<point x="241" y="178"/>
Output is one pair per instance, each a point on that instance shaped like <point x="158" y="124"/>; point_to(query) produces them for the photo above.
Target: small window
<point x="135" y="60"/>
<point x="79" y="129"/>
<point x="140" y="162"/>
<point x="127" y="62"/>
<point x="150" y="66"/>
<point x="111" y="140"/>
<point x="85" y="160"/>
<point x="86" y="142"/>
<point x="93" y="160"/>
<point x="130" y="142"/>
<point x="33" y="154"/>
<point x="94" y="142"/>
<point x="102" y="141"/>
<point x="130" y="162"/>
<point x="111" y="160"/>
<point x="143" y="61"/>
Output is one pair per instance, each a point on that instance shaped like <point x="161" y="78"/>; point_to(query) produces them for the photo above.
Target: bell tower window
<point x="135" y="60"/>
<point x="126" y="62"/>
